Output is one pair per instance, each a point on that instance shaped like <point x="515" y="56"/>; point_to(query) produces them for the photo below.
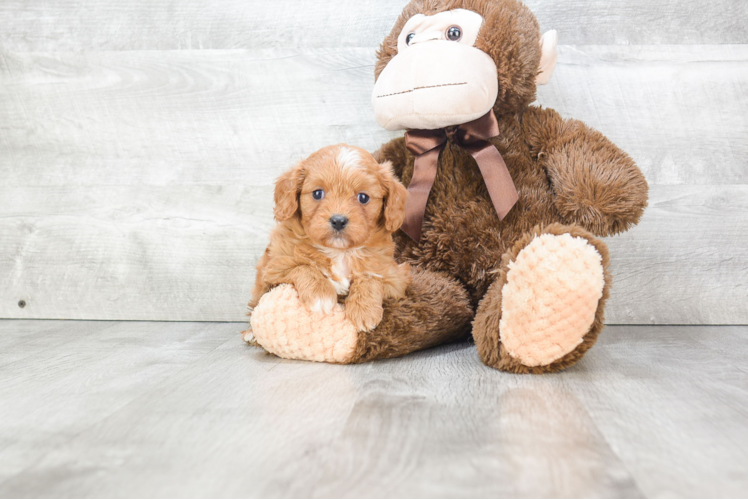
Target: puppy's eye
<point x="454" y="33"/>
<point x="363" y="198"/>
<point x="318" y="194"/>
<point x="409" y="38"/>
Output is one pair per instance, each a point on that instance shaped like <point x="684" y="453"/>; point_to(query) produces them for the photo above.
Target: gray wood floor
<point x="119" y="409"/>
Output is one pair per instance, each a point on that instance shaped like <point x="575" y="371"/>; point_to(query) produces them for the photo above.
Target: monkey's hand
<point x="596" y="184"/>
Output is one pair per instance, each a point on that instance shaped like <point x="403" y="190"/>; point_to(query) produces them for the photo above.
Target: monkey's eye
<point x="363" y="198"/>
<point x="318" y="194"/>
<point x="454" y="33"/>
<point x="409" y="38"/>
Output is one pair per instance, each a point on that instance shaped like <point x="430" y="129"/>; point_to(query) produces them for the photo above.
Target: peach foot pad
<point x="284" y="327"/>
<point x="549" y="300"/>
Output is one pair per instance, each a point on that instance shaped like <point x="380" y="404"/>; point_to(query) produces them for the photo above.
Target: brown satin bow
<point x="472" y="137"/>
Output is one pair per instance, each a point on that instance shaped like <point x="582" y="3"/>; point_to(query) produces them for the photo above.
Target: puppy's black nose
<point x="338" y="222"/>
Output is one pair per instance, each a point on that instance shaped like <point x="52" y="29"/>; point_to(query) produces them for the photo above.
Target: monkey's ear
<point x="287" y="189"/>
<point x="394" y="203"/>
<point x="548" y="57"/>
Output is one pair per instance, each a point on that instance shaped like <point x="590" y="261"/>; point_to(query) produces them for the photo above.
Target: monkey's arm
<point x="597" y="185"/>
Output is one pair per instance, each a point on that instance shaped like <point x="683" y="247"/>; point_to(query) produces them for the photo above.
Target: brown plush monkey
<point x="506" y="204"/>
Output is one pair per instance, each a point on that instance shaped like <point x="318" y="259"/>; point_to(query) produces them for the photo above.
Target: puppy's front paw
<point x="323" y="305"/>
<point x="249" y="337"/>
<point x="321" y="301"/>
<point x="365" y="317"/>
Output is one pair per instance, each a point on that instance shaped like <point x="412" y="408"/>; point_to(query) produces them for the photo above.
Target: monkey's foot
<point x="281" y="325"/>
<point x="435" y="310"/>
<point x="546" y="308"/>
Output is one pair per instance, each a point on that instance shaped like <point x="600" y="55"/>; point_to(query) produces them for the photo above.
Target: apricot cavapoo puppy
<point x="337" y="211"/>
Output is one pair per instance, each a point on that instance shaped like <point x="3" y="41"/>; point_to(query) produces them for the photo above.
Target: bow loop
<point x="419" y="142"/>
<point x="473" y="137"/>
<point x="482" y="129"/>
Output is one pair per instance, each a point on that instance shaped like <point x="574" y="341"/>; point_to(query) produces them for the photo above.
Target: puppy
<point x="337" y="211"/>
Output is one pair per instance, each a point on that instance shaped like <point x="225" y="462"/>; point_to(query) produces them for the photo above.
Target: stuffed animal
<point x="506" y="201"/>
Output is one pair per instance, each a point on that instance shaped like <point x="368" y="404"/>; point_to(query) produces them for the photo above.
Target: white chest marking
<point x="340" y="272"/>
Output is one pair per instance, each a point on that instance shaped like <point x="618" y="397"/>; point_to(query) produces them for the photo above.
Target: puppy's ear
<point x="287" y="189"/>
<point x="394" y="199"/>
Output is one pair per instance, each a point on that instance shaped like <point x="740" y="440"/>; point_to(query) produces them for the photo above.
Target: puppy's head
<point x="342" y="197"/>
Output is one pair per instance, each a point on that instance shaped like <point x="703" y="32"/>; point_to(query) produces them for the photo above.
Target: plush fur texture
<point x="570" y="179"/>
<point x="435" y="310"/>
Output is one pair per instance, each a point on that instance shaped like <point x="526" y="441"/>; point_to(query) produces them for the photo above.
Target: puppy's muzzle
<point x="338" y="222"/>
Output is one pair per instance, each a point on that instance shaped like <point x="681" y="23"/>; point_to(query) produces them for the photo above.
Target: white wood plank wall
<point x="139" y="142"/>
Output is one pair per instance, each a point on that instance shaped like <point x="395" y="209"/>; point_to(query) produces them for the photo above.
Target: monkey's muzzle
<point x="433" y="85"/>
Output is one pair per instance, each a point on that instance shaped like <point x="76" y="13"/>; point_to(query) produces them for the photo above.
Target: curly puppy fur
<point x="330" y="242"/>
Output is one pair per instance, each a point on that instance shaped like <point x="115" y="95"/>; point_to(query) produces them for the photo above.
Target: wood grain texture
<point x="181" y="117"/>
<point x="660" y="393"/>
<point x="188" y="410"/>
<point x="686" y="262"/>
<point x="46" y="25"/>
<point x="22" y="339"/>
<point x="680" y="112"/>
<point x="153" y="252"/>
<point x="84" y="372"/>
<point x="188" y="253"/>
<point x="226" y="117"/>
<point x="137" y="185"/>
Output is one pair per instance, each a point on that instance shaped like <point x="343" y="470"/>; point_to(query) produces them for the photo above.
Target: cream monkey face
<point x="439" y="77"/>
